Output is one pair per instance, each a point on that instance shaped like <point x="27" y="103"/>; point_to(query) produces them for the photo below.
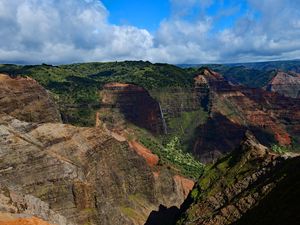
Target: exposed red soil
<point x="23" y="221"/>
<point x="150" y="158"/>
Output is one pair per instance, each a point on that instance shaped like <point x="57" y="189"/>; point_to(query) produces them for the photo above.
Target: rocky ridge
<point x="134" y="104"/>
<point x="242" y="188"/>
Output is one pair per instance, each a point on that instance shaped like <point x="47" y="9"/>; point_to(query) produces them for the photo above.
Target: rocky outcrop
<point x="25" y="99"/>
<point x="17" y="208"/>
<point x="134" y="103"/>
<point x="245" y="184"/>
<point x="287" y="84"/>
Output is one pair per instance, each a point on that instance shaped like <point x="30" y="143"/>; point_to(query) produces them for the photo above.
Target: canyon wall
<point x="26" y="100"/>
<point x="135" y="104"/>
<point x="235" y="109"/>
<point x="79" y="175"/>
<point x="287" y="84"/>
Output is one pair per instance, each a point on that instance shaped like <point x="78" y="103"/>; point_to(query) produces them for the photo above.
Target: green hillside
<point x="75" y="87"/>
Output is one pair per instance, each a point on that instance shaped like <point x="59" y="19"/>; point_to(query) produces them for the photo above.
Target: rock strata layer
<point x="250" y="186"/>
<point x="25" y="99"/>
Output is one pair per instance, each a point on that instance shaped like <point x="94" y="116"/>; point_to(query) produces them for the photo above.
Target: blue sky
<point x="145" y="14"/>
<point x="148" y="14"/>
<point x="171" y="31"/>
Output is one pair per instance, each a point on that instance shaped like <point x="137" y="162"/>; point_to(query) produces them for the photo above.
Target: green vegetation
<point x="184" y="126"/>
<point x="173" y="154"/>
<point x="250" y="74"/>
<point x="131" y="213"/>
<point x="76" y="89"/>
<point x="76" y="86"/>
<point x="280" y="149"/>
<point x="186" y="161"/>
<point x="281" y="200"/>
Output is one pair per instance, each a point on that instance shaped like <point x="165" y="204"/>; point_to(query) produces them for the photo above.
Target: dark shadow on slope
<point x="216" y="137"/>
<point x="164" y="216"/>
<point x="281" y="206"/>
<point x="219" y="136"/>
<point x="139" y="108"/>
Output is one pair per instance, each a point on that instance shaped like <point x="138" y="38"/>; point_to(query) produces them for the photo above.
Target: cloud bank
<point x="55" y="31"/>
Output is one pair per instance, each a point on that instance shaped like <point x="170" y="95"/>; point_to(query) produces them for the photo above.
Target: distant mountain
<point x="289" y="65"/>
<point x="256" y="74"/>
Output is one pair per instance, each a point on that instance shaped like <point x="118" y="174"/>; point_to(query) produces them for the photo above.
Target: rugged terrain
<point x="71" y="175"/>
<point x="250" y="186"/>
<point x="135" y="104"/>
<point x="234" y="109"/>
<point x="130" y="159"/>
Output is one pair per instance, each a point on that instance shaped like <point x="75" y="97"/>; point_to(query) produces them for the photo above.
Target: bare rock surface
<point x="83" y="174"/>
<point x="25" y="99"/>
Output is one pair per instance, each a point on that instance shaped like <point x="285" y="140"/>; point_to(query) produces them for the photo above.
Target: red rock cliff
<point x="135" y="104"/>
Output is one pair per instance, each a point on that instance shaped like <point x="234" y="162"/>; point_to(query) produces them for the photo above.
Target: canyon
<point x="228" y="111"/>
<point x="71" y="175"/>
<point x="235" y="109"/>
<point x="139" y="163"/>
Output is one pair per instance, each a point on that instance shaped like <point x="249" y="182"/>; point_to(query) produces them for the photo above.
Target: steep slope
<point x="287" y="84"/>
<point x="26" y="100"/>
<point x="135" y="104"/>
<point x="250" y="186"/>
<point x="84" y="174"/>
<point x="164" y="124"/>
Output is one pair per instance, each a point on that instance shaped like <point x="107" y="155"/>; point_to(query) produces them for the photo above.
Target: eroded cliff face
<point x="249" y="186"/>
<point x="235" y="109"/>
<point x="70" y="175"/>
<point x="134" y="103"/>
<point x="25" y="99"/>
<point x="287" y="84"/>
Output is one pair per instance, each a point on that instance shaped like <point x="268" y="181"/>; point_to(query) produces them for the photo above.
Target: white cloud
<point x="55" y="31"/>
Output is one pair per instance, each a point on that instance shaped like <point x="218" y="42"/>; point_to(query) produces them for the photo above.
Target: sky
<point x="170" y="31"/>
